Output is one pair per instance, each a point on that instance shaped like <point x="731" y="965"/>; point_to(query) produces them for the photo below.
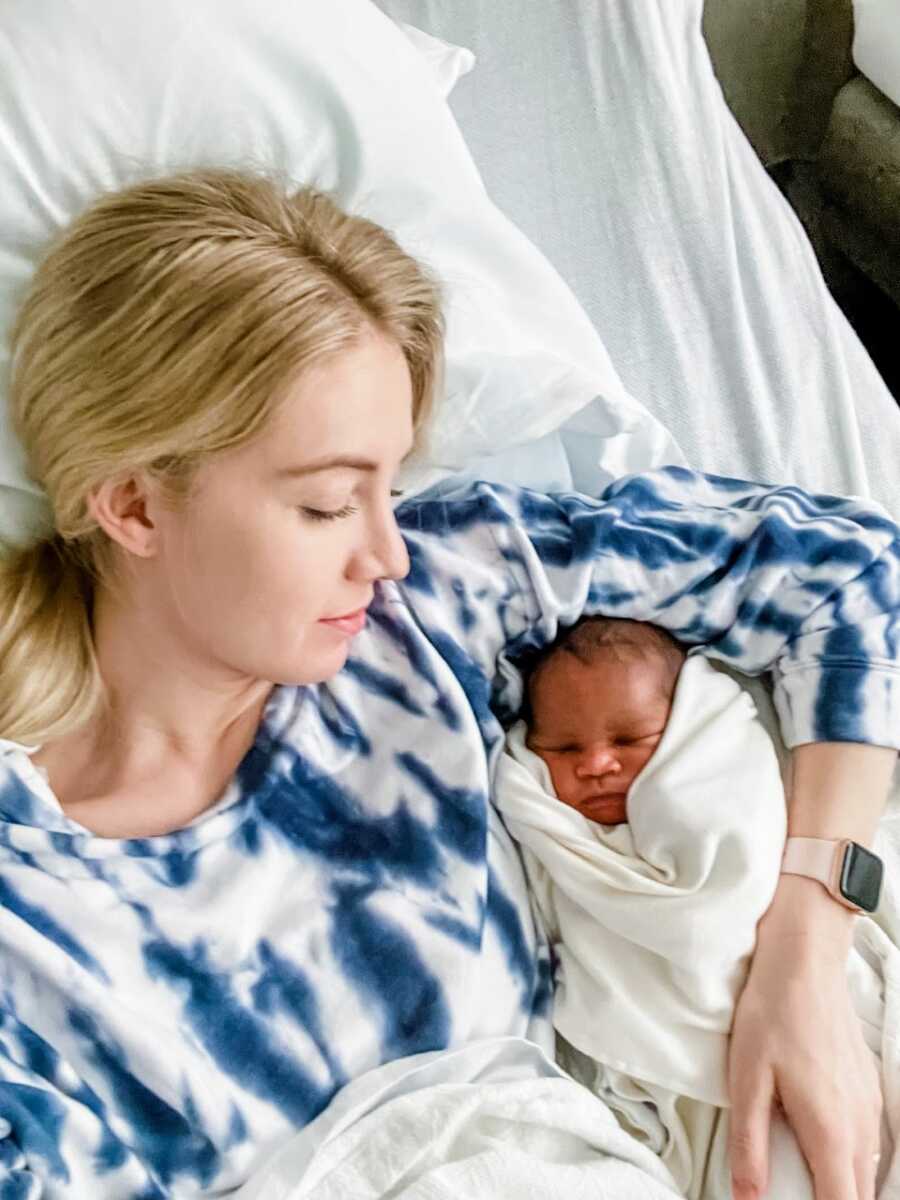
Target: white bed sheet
<point x="702" y="284"/>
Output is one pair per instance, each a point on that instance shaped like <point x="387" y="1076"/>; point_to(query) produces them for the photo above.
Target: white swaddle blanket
<point x="653" y="924"/>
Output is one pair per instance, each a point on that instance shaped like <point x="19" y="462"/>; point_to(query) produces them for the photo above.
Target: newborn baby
<point x="596" y="707"/>
<point x="649" y="877"/>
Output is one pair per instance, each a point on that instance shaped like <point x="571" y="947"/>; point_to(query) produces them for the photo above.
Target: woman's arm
<point x="796" y="1037"/>
<point x="764" y="578"/>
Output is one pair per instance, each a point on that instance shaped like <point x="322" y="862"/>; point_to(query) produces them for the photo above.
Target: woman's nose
<point x="384" y="555"/>
<point x="597" y="760"/>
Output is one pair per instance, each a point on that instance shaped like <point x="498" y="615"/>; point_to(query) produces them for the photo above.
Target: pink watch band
<point x="810" y="856"/>
<point x="818" y="858"/>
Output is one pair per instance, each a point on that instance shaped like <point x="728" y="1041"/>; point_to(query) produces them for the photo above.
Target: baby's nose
<point x="598" y="760"/>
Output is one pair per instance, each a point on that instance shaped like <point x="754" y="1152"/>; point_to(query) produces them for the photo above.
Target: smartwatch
<point x="851" y="873"/>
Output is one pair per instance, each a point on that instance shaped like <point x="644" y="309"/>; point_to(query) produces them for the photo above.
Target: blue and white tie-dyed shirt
<point x="173" y="1008"/>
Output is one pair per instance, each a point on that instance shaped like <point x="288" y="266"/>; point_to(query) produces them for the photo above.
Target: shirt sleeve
<point x="764" y="578"/>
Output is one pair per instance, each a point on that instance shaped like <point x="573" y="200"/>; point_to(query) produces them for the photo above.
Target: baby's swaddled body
<point x="650" y="862"/>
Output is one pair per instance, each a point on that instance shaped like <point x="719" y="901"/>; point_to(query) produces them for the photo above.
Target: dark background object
<point x="829" y="139"/>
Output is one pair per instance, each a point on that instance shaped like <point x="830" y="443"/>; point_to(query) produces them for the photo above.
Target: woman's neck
<point x="172" y="732"/>
<point x="112" y="795"/>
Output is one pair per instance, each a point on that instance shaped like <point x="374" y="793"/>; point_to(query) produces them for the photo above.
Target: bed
<point x="654" y="298"/>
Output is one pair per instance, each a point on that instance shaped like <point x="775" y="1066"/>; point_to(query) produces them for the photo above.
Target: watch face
<point x="861" y="877"/>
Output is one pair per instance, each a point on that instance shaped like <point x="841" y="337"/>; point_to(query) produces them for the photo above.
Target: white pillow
<point x="96" y="93"/>
<point x="448" y="62"/>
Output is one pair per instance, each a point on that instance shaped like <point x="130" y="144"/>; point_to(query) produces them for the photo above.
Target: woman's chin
<point x="317" y="665"/>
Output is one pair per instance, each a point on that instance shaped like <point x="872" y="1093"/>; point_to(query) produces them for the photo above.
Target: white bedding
<point x="495" y="1120"/>
<point x="601" y="130"/>
<point x="876" y="44"/>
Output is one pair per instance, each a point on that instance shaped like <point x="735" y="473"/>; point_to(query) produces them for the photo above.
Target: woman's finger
<point x="866" y="1163"/>
<point x="835" y="1178"/>
<point x="828" y="1149"/>
<point x="752" y="1094"/>
<point x="866" y="1170"/>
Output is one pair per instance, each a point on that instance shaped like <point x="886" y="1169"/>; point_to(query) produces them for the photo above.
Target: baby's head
<point x="597" y="702"/>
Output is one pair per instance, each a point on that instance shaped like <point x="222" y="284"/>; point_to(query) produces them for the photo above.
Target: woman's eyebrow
<point x="329" y="464"/>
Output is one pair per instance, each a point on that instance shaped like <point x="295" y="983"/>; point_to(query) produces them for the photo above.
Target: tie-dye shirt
<point x="173" y="1008"/>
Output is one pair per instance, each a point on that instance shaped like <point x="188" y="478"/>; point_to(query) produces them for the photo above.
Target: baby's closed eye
<point x="575" y="748"/>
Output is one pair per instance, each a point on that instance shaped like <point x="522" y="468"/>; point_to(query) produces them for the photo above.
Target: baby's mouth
<point x="607" y="809"/>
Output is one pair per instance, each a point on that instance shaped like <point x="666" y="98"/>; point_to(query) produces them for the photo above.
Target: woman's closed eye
<point x="321" y="514"/>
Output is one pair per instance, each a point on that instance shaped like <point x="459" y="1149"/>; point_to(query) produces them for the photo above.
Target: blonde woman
<point x="250" y="713"/>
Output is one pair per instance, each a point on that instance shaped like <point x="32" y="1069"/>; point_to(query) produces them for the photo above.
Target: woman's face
<point x="280" y="536"/>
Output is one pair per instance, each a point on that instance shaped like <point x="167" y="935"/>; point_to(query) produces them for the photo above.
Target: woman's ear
<point x="122" y="508"/>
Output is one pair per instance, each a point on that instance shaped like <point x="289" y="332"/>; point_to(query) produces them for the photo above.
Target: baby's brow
<point x="574" y="735"/>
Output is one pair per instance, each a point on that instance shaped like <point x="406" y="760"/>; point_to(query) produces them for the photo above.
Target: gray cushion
<point x="859" y="162"/>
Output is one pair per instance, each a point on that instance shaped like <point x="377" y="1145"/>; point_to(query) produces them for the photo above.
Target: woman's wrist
<point x="838" y="789"/>
<point x="806" y="918"/>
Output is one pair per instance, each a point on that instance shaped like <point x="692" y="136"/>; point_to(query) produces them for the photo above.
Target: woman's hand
<point x="797" y="1042"/>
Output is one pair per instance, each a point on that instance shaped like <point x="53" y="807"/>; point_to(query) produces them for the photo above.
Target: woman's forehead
<point x="356" y="406"/>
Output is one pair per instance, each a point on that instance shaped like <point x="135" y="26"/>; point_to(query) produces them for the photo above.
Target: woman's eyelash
<point x="317" y="514"/>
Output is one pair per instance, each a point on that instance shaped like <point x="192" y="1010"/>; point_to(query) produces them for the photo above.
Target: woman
<point x="247" y="850"/>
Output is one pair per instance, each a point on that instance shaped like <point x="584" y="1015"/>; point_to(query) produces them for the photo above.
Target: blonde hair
<point x="162" y="328"/>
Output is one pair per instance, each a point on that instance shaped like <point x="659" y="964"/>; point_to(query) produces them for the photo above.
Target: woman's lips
<point x="351" y="623"/>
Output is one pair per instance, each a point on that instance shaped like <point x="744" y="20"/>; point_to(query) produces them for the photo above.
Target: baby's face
<point x="595" y="726"/>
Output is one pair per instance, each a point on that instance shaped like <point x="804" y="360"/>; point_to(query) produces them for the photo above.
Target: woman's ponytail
<point x="49" y="681"/>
